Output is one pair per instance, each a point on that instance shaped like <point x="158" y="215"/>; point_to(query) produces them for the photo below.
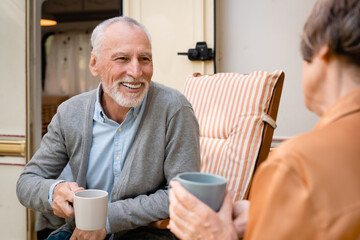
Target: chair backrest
<point x="233" y="111"/>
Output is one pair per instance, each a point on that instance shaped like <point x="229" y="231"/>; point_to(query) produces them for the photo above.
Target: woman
<point x="309" y="186"/>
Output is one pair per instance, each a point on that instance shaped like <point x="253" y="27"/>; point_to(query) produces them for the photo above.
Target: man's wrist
<point x="51" y="191"/>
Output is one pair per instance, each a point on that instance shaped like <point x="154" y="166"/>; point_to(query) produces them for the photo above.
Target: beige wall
<point x="265" y="35"/>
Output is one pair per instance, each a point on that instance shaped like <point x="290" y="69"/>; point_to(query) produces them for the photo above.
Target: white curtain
<point x="67" y="64"/>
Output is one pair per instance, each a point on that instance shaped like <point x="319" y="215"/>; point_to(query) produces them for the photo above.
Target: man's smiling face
<point x="125" y="63"/>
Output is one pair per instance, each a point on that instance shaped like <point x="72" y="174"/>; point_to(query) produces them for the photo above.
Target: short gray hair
<point x="336" y="24"/>
<point x="98" y="32"/>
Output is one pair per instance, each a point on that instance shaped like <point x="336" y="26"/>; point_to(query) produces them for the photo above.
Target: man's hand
<point x="88" y="235"/>
<point x="63" y="197"/>
<point x="192" y="219"/>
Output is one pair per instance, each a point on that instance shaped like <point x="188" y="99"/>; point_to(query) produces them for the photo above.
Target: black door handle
<point x="200" y="53"/>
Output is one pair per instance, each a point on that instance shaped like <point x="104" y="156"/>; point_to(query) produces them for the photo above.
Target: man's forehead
<point x="125" y="26"/>
<point x="125" y="30"/>
<point x="128" y="53"/>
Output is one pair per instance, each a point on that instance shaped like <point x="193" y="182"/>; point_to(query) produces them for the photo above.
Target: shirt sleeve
<point x="280" y="203"/>
<point x="51" y="191"/>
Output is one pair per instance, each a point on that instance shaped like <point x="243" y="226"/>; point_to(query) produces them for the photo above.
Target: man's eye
<point x="145" y="59"/>
<point x="123" y="59"/>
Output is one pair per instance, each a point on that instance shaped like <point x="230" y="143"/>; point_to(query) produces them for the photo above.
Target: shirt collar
<point x="347" y="104"/>
<point x="99" y="112"/>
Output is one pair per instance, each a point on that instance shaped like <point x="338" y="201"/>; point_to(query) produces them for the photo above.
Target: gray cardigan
<point x="167" y="143"/>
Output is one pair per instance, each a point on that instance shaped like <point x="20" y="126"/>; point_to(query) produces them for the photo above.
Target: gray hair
<point x="98" y="32"/>
<point x="335" y="23"/>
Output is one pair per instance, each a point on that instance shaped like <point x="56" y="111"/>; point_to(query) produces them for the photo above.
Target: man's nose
<point x="134" y="69"/>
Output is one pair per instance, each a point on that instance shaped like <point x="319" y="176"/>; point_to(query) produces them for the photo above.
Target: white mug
<point x="90" y="208"/>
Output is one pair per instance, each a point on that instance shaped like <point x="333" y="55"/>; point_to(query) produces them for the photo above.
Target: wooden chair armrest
<point x="161" y="224"/>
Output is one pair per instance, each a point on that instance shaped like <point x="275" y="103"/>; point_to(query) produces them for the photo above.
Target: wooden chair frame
<point x="268" y="132"/>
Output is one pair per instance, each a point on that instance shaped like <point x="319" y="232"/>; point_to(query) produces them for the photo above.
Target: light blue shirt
<point x="110" y="146"/>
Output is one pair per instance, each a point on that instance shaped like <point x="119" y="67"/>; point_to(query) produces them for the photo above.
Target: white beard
<point x="126" y="100"/>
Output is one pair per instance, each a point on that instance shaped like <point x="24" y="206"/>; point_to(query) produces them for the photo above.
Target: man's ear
<point x="93" y="65"/>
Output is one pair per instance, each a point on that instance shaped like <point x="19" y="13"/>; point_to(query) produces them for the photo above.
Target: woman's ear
<point x="93" y="65"/>
<point x="324" y="53"/>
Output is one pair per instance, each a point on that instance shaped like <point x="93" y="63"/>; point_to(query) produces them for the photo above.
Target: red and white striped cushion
<point x="230" y="108"/>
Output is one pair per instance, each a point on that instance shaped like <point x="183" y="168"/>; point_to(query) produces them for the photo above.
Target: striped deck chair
<point x="236" y="114"/>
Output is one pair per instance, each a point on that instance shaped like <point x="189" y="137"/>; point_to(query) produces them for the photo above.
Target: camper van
<point x="45" y="51"/>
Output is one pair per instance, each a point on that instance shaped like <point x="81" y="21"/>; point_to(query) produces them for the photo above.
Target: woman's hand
<point x="240" y="215"/>
<point x="192" y="219"/>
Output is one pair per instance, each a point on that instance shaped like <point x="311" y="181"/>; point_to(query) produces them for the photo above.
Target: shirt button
<point x="119" y="130"/>
<point x="117" y="158"/>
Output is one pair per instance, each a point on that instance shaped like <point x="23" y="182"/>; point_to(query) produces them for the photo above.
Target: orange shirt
<point x="309" y="187"/>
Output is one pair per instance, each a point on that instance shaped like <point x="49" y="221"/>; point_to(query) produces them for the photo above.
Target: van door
<point x="175" y="27"/>
<point x="12" y="116"/>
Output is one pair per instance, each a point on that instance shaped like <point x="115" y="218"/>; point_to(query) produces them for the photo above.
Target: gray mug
<point x="209" y="188"/>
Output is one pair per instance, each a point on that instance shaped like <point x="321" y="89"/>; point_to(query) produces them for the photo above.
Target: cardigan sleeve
<point x="183" y="144"/>
<point x="63" y="143"/>
<point x="42" y="170"/>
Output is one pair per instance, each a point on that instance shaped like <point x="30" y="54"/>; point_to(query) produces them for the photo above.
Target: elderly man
<point x="129" y="137"/>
